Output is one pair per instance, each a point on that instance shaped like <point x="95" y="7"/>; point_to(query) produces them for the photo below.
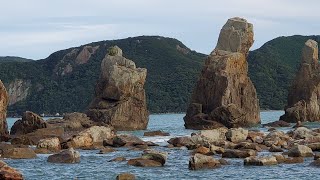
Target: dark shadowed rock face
<point x="304" y="94"/>
<point x="224" y="94"/>
<point x="3" y="110"/>
<point x="30" y="122"/>
<point x="120" y="98"/>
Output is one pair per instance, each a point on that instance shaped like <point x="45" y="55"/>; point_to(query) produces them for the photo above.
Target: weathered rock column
<point x="224" y="94"/>
<point x="3" y="110"/>
<point x="304" y="94"/>
<point x="120" y="98"/>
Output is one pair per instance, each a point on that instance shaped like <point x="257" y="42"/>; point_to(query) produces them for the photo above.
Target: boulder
<point x="120" y="98"/>
<point x="248" y="145"/>
<point x="126" y="176"/>
<point x="52" y="144"/>
<point x="260" y="161"/>
<point x="9" y="173"/>
<point x="300" y="151"/>
<point x="91" y="136"/>
<point x="256" y="137"/>
<point x="155" y="133"/>
<point x="200" y="161"/>
<point x="72" y="122"/>
<point x="30" y="122"/>
<point x="66" y="156"/>
<point x="203" y="150"/>
<point x="124" y="140"/>
<point x="106" y="150"/>
<point x="4" y="100"/>
<point x="316" y="156"/>
<point x="314" y="146"/>
<point x="214" y="135"/>
<point x="118" y="159"/>
<point x="315" y="163"/>
<point x="237" y="135"/>
<point x="224" y="93"/>
<point x="274" y="148"/>
<point x="140" y="162"/>
<point x="216" y="149"/>
<point x="18" y="153"/>
<point x="303" y="104"/>
<point x="235" y="153"/>
<point x="155" y="156"/>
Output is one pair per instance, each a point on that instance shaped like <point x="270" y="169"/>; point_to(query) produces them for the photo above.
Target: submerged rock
<point x="120" y="98"/>
<point x="4" y="100"/>
<point x="200" y="161"/>
<point x="224" y="93"/>
<point x="260" y="161"/>
<point x="30" y="122"/>
<point x="9" y="173"/>
<point x="303" y="98"/>
<point x="279" y="123"/>
<point x="156" y="133"/>
<point x="66" y="156"/>
<point x="126" y="176"/>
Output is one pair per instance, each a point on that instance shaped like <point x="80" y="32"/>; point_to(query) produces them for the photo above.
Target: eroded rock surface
<point x="30" y="122"/>
<point x="224" y="94"/>
<point x="3" y="110"/>
<point x="120" y="98"/>
<point x="303" y="98"/>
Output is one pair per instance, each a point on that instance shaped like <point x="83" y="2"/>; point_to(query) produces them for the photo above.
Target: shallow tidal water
<point x="96" y="166"/>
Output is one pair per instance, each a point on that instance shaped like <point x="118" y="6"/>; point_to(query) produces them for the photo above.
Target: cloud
<point x="54" y="25"/>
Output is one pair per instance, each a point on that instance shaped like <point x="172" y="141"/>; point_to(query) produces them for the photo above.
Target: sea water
<point x="96" y="166"/>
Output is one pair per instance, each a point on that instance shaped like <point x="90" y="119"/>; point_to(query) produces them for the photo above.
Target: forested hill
<point x="64" y="82"/>
<point x="13" y="59"/>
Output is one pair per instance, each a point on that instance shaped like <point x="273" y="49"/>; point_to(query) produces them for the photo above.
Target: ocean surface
<point x="96" y="166"/>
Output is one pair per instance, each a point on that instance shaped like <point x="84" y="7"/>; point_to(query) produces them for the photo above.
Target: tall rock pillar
<point x="4" y="100"/>
<point x="224" y="94"/>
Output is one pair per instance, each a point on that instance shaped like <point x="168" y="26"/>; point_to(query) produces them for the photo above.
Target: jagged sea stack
<point x="120" y="98"/>
<point x="3" y="110"/>
<point x="304" y="94"/>
<point x="224" y="94"/>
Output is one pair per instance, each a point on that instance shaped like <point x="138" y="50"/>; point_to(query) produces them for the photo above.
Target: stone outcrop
<point x="199" y="161"/>
<point x="84" y="56"/>
<point x="3" y="110"/>
<point x="303" y="98"/>
<point x="72" y="122"/>
<point x="224" y="93"/>
<point x="9" y="173"/>
<point x="30" y="122"/>
<point x="18" y="90"/>
<point x="66" y="156"/>
<point x="120" y="98"/>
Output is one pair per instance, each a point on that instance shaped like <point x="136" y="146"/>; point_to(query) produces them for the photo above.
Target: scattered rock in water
<point x="256" y="137"/>
<point x="9" y="173"/>
<point x="4" y="100"/>
<point x="214" y="135"/>
<point x="216" y="149"/>
<point x="300" y="151"/>
<point x="314" y="146"/>
<point x="260" y="161"/>
<point x="203" y="150"/>
<point x="51" y="144"/>
<point x="120" y="98"/>
<point x="200" y="161"/>
<point x="303" y="104"/>
<point x="315" y="163"/>
<point x="247" y="145"/>
<point x="156" y="156"/>
<point x="18" y="153"/>
<point x="223" y="162"/>
<point x="279" y="123"/>
<point x="237" y="135"/>
<point x="106" y="150"/>
<point x="124" y="140"/>
<point x="274" y="148"/>
<point x="316" y="156"/>
<point x="288" y="160"/>
<point x="140" y="162"/>
<point x="91" y="136"/>
<point x="126" y="176"/>
<point x="221" y="93"/>
<point x="72" y="122"/>
<point x="118" y="159"/>
<point x="30" y="122"/>
<point x="235" y="153"/>
<point x="156" y="133"/>
<point x="65" y="156"/>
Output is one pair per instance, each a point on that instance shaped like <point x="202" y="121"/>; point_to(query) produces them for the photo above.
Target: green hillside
<point x="172" y="71"/>
<point x="13" y="59"/>
<point x="171" y="76"/>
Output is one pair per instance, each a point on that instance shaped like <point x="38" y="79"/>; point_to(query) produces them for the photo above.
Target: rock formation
<point x="120" y="98"/>
<point x="224" y="94"/>
<point x="3" y="110"/>
<point x="303" y="98"/>
<point x="30" y="122"/>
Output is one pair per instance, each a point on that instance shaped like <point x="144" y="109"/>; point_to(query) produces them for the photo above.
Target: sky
<point x="36" y="28"/>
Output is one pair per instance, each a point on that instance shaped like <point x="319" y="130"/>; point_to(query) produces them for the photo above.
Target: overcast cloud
<point x="36" y="28"/>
